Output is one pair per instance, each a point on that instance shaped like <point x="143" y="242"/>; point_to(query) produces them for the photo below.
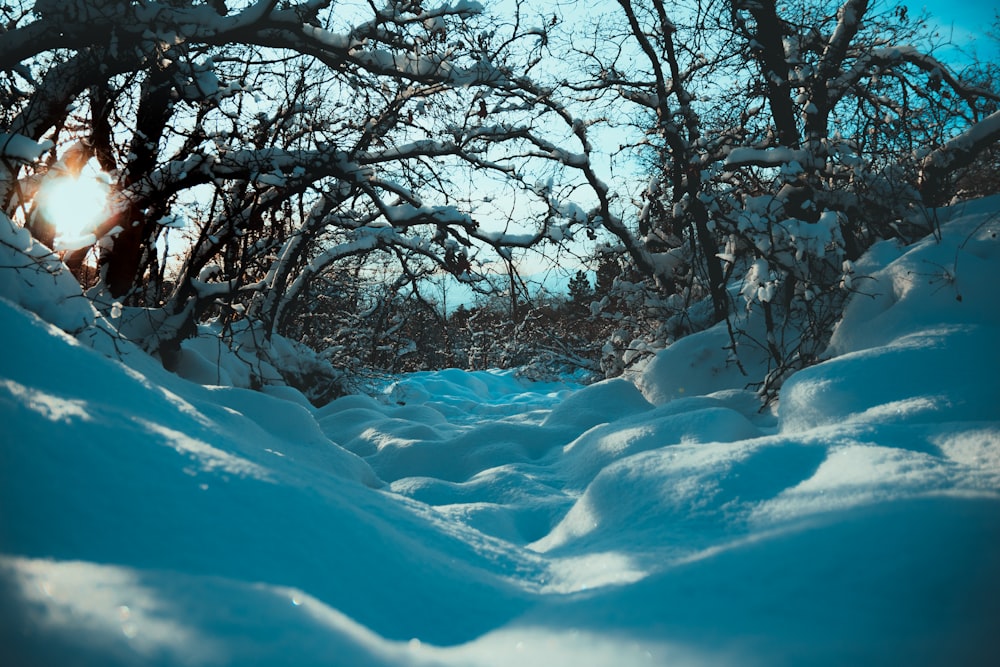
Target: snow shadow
<point x="909" y="582"/>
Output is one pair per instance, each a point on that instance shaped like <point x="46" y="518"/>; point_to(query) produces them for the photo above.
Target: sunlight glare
<point x="74" y="205"/>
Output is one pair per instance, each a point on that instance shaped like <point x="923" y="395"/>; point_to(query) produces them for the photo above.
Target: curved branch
<point x="955" y="154"/>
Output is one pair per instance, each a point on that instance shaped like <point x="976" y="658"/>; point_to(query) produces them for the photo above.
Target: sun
<point x="74" y="205"/>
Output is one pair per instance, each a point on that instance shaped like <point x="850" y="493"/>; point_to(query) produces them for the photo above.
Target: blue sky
<point x="975" y="17"/>
<point x="971" y="14"/>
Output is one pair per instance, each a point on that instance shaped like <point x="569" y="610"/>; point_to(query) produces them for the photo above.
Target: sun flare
<point x="74" y="206"/>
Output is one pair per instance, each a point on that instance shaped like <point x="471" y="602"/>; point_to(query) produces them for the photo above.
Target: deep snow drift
<point x="473" y="519"/>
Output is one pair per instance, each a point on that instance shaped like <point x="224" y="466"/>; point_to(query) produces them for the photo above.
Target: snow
<point x="768" y="157"/>
<point x="19" y="147"/>
<point x="474" y="518"/>
<point x="41" y="286"/>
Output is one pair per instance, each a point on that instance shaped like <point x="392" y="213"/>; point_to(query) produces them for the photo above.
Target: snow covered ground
<point x="474" y="519"/>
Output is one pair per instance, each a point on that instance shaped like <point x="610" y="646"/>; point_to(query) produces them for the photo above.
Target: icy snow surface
<point x="474" y="519"/>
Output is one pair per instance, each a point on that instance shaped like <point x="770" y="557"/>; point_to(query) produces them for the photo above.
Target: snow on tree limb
<point x="746" y="156"/>
<point x="21" y="148"/>
<point x="907" y="54"/>
<point x="955" y="154"/>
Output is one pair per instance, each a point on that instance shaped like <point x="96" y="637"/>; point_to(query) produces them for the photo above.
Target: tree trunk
<point x="774" y="69"/>
<point x="124" y="263"/>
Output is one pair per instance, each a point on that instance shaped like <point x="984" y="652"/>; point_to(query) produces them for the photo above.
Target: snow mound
<point x="697" y="365"/>
<point x="597" y="404"/>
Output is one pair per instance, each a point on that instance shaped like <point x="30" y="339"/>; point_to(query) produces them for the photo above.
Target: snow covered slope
<point x="472" y="519"/>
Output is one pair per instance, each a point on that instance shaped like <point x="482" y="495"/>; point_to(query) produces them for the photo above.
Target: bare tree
<point x="781" y="142"/>
<point x="285" y="138"/>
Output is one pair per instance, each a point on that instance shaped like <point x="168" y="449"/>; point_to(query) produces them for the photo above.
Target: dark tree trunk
<point x="124" y="262"/>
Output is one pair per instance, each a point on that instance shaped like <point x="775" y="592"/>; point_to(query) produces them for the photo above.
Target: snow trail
<point x="476" y="519"/>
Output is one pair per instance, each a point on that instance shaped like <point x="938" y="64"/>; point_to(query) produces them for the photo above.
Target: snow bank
<point x="476" y="519"/>
<point x="33" y="278"/>
<point x="921" y="334"/>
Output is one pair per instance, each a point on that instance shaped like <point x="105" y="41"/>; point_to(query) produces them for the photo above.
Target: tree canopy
<point x="296" y="168"/>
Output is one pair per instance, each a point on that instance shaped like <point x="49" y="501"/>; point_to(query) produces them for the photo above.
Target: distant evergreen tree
<point x="608" y="269"/>
<point x="580" y="292"/>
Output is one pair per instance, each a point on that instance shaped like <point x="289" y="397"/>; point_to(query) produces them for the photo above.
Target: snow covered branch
<point x="955" y="154"/>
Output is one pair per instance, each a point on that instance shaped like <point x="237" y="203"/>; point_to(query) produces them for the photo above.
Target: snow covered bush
<point x="35" y="279"/>
<point x="33" y="276"/>
<point x="781" y="141"/>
